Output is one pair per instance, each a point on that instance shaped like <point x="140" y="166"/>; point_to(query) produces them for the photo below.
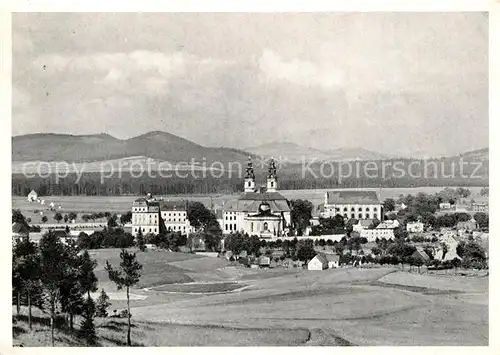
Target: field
<point x="121" y="204"/>
<point x="346" y="306"/>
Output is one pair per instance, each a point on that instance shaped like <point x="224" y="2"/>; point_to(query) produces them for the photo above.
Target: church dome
<point x="264" y="207"/>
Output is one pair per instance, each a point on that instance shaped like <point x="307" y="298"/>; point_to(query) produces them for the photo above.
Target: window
<point x="367" y="209"/>
<point x="345" y="215"/>
<point x="367" y="215"/>
<point x="265" y="226"/>
<point x="352" y="209"/>
<point x="360" y="216"/>
<point x="345" y="210"/>
<point x="360" y="209"/>
<point x="251" y="227"/>
<point x="272" y="183"/>
<point x="352" y="215"/>
<point x="374" y="209"/>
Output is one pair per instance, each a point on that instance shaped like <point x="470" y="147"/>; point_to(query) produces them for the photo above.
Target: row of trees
<point x="59" y="278"/>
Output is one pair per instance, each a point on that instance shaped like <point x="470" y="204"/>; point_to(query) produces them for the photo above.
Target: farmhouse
<point x="445" y="206"/>
<point x="319" y="262"/>
<point x="479" y="207"/>
<point x="352" y="204"/>
<point x="265" y="213"/>
<point x="469" y="225"/>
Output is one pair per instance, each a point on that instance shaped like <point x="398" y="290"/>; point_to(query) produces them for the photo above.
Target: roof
<point x="250" y="202"/>
<point x="332" y="257"/>
<point x="265" y="196"/>
<point x="32" y="192"/>
<point x="173" y="205"/>
<point x="318" y="210"/>
<point x="20" y="228"/>
<point x="321" y="258"/>
<point x="365" y="222"/>
<point x="141" y="200"/>
<point x="352" y="197"/>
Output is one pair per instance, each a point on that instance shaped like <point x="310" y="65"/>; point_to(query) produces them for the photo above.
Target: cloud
<point x="304" y="73"/>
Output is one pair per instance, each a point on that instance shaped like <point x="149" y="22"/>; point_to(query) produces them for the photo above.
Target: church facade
<point x="263" y="212"/>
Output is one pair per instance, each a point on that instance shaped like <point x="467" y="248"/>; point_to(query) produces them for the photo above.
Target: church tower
<point x="249" y="177"/>
<point x="272" y="178"/>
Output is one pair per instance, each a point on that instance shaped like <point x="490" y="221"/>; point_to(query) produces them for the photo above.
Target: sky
<point x="396" y="83"/>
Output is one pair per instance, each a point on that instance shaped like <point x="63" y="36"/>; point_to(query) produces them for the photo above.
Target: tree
<point x="140" y="241"/>
<point x="44" y="219"/>
<point x="102" y="305"/>
<point x="58" y="217"/>
<point x="86" y="275"/>
<point x="199" y="216"/>
<point x="236" y="242"/>
<point x="66" y="218"/>
<point x="18" y="217"/>
<point x="482" y="219"/>
<point x="301" y="214"/>
<point x="389" y="205"/>
<point x="126" y="276"/>
<point x="305" y="252"/>
<point x="53" y="273"/>
<point x="27" y="268"/>
<point x="72" y="216"/>
<point x="126" y="217"/>
<point x="485" y="191"/>
<point x="87" y="327"/>
<point x="112" y="221"/>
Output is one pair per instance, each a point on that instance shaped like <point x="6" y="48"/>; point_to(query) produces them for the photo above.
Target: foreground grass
<point x="112" y="332"/>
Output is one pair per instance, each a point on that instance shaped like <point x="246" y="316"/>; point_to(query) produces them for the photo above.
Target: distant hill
<point x="297" y="153"/>
<point x="477" y="155"/>
<point x="102" y="147"/>
<point x="354" y="154"/>
<point x="288" y="151"/>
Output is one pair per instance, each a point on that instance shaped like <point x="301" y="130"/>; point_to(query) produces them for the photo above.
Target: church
<point x="263" y="212"/>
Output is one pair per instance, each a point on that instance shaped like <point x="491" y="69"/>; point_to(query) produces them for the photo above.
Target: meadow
<point x="121" y="204"/>
<point x="345" y="306"/>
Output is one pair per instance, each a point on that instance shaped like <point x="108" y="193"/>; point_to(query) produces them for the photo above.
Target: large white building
<point x="352" y="204"/>
<point x="174" y="215"/>
<point x="147" y="214"/>
<point x="265" y="213"/>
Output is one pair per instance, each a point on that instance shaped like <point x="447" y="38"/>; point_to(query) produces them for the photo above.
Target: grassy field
<point x="379" y="306"/>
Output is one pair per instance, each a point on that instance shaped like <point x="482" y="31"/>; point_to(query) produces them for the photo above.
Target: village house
<point x="319" y="262"/>
<point x="415" y="227"/>
<point x="470" y="225"/>
<point x="445" y="206"/>
<point x="32" y="196"/>
<point x="381" y="233"/>
<point x="479" y="207"/>
<point x="333" y="260"/>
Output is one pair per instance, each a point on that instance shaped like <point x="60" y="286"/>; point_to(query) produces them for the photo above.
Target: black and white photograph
<point x="248" y="179"/>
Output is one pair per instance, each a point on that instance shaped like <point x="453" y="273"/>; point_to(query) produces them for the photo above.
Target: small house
<point x="32" y="196"/>
<point x="319" y="262"/>
<point x="415" y="227"/>
<point x="264" y="261"/>
<point x="333" y="260"/>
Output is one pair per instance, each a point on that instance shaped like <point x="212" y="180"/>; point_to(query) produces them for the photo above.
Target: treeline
<point x="292" y="177"/>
